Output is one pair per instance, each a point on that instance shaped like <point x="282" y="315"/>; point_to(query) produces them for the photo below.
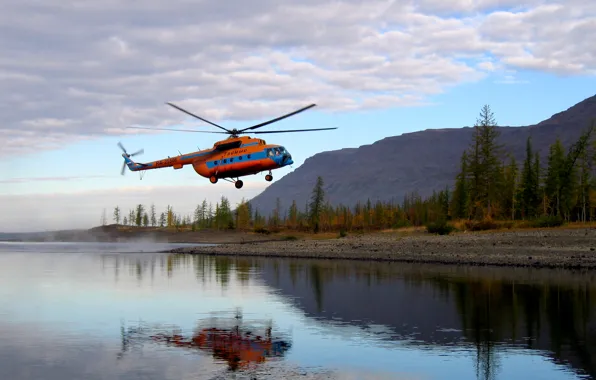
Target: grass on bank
<point x="443" y="227"/>
<point x="446" y="227"/>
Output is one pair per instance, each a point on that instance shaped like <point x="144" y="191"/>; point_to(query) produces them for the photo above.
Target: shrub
<point x="262" y="230"/>
<point x="401" y="224"/>
<point x="342" y="233"/>
<point x="290" y="237"/>
<point x="440" y="227"/>
<point x="481" y="225"/>
<point x="548" y="221"/>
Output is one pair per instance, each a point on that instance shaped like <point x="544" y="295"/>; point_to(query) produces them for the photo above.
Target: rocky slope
<point x="420" y="161"/>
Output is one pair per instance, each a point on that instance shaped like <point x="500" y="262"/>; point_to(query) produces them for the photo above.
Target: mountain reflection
<point x="239" y="344"/>
<point x="492" y="310"/>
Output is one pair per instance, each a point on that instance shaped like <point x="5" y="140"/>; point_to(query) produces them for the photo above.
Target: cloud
<point x="83" y="209"/>
<point x="115" y="64"/>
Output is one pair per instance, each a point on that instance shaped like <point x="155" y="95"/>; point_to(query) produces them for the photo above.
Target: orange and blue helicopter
<point x="228" y="159"/>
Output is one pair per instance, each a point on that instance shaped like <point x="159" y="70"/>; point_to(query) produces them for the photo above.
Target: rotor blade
<point x="198" y="117"/>
<point x="122" y="147"/>
<point x="177" y="130"/>
<point x="295" y="130"/>
<point x="123" y="168"/>
<point x="278" y="118"/>
<point x="140" y="151"/>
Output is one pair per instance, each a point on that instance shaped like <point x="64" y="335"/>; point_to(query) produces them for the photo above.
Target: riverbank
<point x="552" y="248"/>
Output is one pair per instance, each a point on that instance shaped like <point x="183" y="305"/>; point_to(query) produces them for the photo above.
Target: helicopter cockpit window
<point x="270" y="152"/>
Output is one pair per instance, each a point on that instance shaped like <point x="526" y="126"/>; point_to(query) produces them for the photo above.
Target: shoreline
<point x="568" y="248"/>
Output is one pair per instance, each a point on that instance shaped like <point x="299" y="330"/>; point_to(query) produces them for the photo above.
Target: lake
<point x="125" y="311"/>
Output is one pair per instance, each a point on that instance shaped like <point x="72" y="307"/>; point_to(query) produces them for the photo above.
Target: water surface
<point x="119" y="311"/>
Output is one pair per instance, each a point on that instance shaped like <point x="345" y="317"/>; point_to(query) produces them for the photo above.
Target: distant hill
<point x="420" y="161"/>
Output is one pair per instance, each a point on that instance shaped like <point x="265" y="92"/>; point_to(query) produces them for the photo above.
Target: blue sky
<point x="255" y="83"/>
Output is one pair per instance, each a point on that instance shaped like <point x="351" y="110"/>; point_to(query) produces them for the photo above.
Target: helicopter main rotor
<point x="236" y="132"/>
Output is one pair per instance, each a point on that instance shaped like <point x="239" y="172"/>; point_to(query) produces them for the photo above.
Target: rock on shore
<point x="554" y="248"/>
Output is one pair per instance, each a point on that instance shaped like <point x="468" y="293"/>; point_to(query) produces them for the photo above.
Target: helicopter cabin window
<point x="231" y="159"/>
<point x="225" y="160"/>
<point x="215" y="162"/>
<point x="240" y="157"/>
<point x="248" y="156"/>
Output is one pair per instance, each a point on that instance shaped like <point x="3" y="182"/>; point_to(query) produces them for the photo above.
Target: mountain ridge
<point x="419" y="161"/>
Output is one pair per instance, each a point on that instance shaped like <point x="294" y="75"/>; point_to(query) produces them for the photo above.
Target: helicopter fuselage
<point x="231" y="158"/>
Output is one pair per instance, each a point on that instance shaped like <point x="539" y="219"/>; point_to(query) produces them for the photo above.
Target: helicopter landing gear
<point x="269" y="177"/>
<point x="238" y="184"/>
<point x="213" y="179"/>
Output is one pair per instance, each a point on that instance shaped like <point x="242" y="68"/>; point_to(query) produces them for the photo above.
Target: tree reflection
<point x="494" y="311"/>
<point x="495" y="308"/>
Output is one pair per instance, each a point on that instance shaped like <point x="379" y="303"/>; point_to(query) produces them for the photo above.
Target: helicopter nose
<point x="287" y="160"/>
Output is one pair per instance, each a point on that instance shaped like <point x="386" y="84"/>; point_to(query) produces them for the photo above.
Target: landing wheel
<point x="268" y="178"/>
<point x="238" y="184"/>
<point x="213" y="179"/>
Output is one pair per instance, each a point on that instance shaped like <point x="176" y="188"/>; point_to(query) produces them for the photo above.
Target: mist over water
<point x="125" y="311"/>
<point x="130" y="246"/>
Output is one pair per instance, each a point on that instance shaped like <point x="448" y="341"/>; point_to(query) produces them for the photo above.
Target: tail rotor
<point x="127" y="155"/>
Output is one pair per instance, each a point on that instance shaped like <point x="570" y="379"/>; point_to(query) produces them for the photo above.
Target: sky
<point x="76" y="75"/>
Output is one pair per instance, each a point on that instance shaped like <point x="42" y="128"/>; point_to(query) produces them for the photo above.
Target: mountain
<point x="421" y="161"/>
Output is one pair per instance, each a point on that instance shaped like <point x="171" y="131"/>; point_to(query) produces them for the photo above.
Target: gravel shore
<point x="552" y="248"/>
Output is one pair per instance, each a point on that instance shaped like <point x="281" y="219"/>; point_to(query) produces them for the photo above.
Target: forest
<point x="490" y="191"/>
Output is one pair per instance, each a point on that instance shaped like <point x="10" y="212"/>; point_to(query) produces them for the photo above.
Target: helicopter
<point x="228" y="159"/>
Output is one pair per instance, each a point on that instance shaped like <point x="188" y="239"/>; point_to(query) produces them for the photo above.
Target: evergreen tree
<point x="316" y="204"/>
<point x="293" y="215"/>
<point x="460" y="195"/>
<point x="530" y="184"/>
<point x="553" y="179"/>
<point x="153" y="216"/>
<point x="510" y="187"/>
<point x="117" y="215"/>
<point x="485" y="164"/>
<point x="140" y="210"/>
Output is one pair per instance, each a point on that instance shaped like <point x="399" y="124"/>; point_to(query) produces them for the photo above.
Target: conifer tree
<point x="510" y="187"/>
<point x="117" y="215"/>
<point x="153" y="216"/>
<point x="293" y="215"/>
<point x="316" y="204"/>
<point x="529" y="195"/>
<point x="484" y="163"/>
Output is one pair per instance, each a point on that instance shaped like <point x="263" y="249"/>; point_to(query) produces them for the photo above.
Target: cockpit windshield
<point x="277" y="151"/>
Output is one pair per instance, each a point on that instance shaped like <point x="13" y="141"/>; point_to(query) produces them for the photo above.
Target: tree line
<point x="490" y="187"/>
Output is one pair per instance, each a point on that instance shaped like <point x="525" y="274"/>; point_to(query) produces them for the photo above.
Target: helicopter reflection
<point x="230" y="341"/>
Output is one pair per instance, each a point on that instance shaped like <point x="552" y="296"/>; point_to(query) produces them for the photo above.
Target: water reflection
<point x="67" y="315"/>
<point x="494" y="312"/>
<point x="240" y="344"/>
<point x="494" y="309"/>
